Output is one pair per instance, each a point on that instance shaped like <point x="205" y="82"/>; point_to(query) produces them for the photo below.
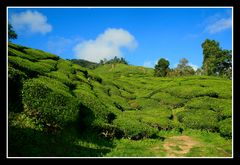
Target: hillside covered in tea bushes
<point x="59" y="108"/>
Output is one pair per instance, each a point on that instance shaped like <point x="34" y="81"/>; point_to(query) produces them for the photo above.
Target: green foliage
<point x="168" y="99"/>
<point x="49" y="100"/>
<point x="199" y="119"/>
<point x="225" y="127"/>
<point x="215" y="60"/>
<point x="161" y="68"/>
<point x="11" y="33"/>
<point x="115" y="60"/>
<point x="15" y="81"/>
<point x="38" y="54"/>
<point x="222" y="106"/>
<point x="83" y="112"/>
<point x="32" y="69"/>
<point x="133" y="128"/>
<point x="14" y="52"/>
<point x="85" y="63"/>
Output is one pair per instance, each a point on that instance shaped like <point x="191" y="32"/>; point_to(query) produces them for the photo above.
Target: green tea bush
<point x="49" y="63"/>
<point x="133" y="128"/>
<point x="94" y="77"/>
<point x="65" y="67"/>
<point x="225" y="128"/>
<point x="222" y="106"/>
<point x="49" y="100"/>
<point x="148" y="103"/>
<point x="32" y="69"/>
<point x="15" y="46"/>
<point x="63" y="78"/>
<point x="190" y="91"/>
<point x="15" y="81"/>
<point x="98" y="111"/>
<point x="38" y="54"/>
<point x="156" y="117"/>
<point x="127" y="95"/>
<point x="166" y="98"/>
<point x="14" y="52"/>
<point x="120" y="102"/>
<point x="199" y="119"/>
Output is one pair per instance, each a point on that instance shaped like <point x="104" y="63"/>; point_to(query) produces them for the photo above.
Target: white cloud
<point x="30" y="21"/>
<point x="195" y="67"/>
<point x="219" y="25"/>
<point x="106" y="45"/>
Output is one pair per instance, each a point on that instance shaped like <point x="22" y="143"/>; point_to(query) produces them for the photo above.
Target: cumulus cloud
<point x="106" y="45"/>
<point x="30" y="21"/>
<point x="219" y="25"/>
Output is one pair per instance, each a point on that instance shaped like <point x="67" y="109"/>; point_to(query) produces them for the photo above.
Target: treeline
<point x="216" y="62"/>
<point x="115" y="60"/>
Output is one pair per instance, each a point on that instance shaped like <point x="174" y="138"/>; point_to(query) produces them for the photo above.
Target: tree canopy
<point x="161" y="68"/>
<point x="216" y="61"/>
<point x="11" y="33"/>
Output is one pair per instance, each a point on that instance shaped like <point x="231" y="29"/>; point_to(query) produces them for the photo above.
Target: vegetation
<point x="59" y="108"/>
<point x="11" y="33"/>
<point x="115" y="60"/>
<point x="216" y="61"/>
<point x="85" y="63"/>
<point x="161" y="68"/>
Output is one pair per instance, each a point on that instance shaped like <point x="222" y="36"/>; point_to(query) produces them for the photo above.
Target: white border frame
<point x="155" y="7"/>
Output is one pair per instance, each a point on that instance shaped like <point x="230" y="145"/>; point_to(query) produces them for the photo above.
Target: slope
<point x="58" y="108"/>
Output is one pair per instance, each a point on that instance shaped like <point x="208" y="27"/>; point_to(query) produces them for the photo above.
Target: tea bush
<point x="38" y="54"/>
<point x="32" y="69"/>
<point x="199" y="119"/>
<point x="49" y="100"/>
<point x="225" y="128"/>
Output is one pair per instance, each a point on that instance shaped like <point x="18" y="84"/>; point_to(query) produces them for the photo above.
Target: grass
<point x="113" y="110"/>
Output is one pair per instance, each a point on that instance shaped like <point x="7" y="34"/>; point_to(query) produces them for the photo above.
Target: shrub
<point x="198" y="119"/>
<point x="65" y="67"/>
<point x="133" y="128"/>
<point x="15" y="81"/>
<point x="38" y="54"/>
<point x="97" y="111"/>
<point x="60" y="76"/>
<point x="225" y="128"/>
<point x="14" y="52"/>
<point x="94" y="77"/>
<point x="49" y="100"/>
<point x="49" y="63"/>
<point x="168" y="99"/>
<point x="32" y="69"/>
<point x="222" y="106"/>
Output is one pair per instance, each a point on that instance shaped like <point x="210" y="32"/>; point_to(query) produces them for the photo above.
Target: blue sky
<point x="140" y="35"/>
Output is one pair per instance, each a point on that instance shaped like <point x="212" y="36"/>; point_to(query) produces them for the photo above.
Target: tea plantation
<point x="59" y="109"/>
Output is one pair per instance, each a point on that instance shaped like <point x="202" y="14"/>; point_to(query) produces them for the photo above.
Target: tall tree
<point x="210" y="51"/>
<point x="215" y="60"/>
<point x="11" y="33"/>
<point x="161" y="68"/>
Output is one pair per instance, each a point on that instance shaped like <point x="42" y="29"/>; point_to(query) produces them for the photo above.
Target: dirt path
<point x="178" y="146"/>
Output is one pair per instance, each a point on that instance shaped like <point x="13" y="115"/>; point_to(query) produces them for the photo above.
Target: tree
<point x="199" y="72"/>
<point x="161" y="68"/>
<point x="215" y="60"/>
<point x="11" y="33"/>
<point x="184" y="69"/>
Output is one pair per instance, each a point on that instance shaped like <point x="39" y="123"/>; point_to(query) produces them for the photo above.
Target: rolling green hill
<point x="58" y="108"/>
